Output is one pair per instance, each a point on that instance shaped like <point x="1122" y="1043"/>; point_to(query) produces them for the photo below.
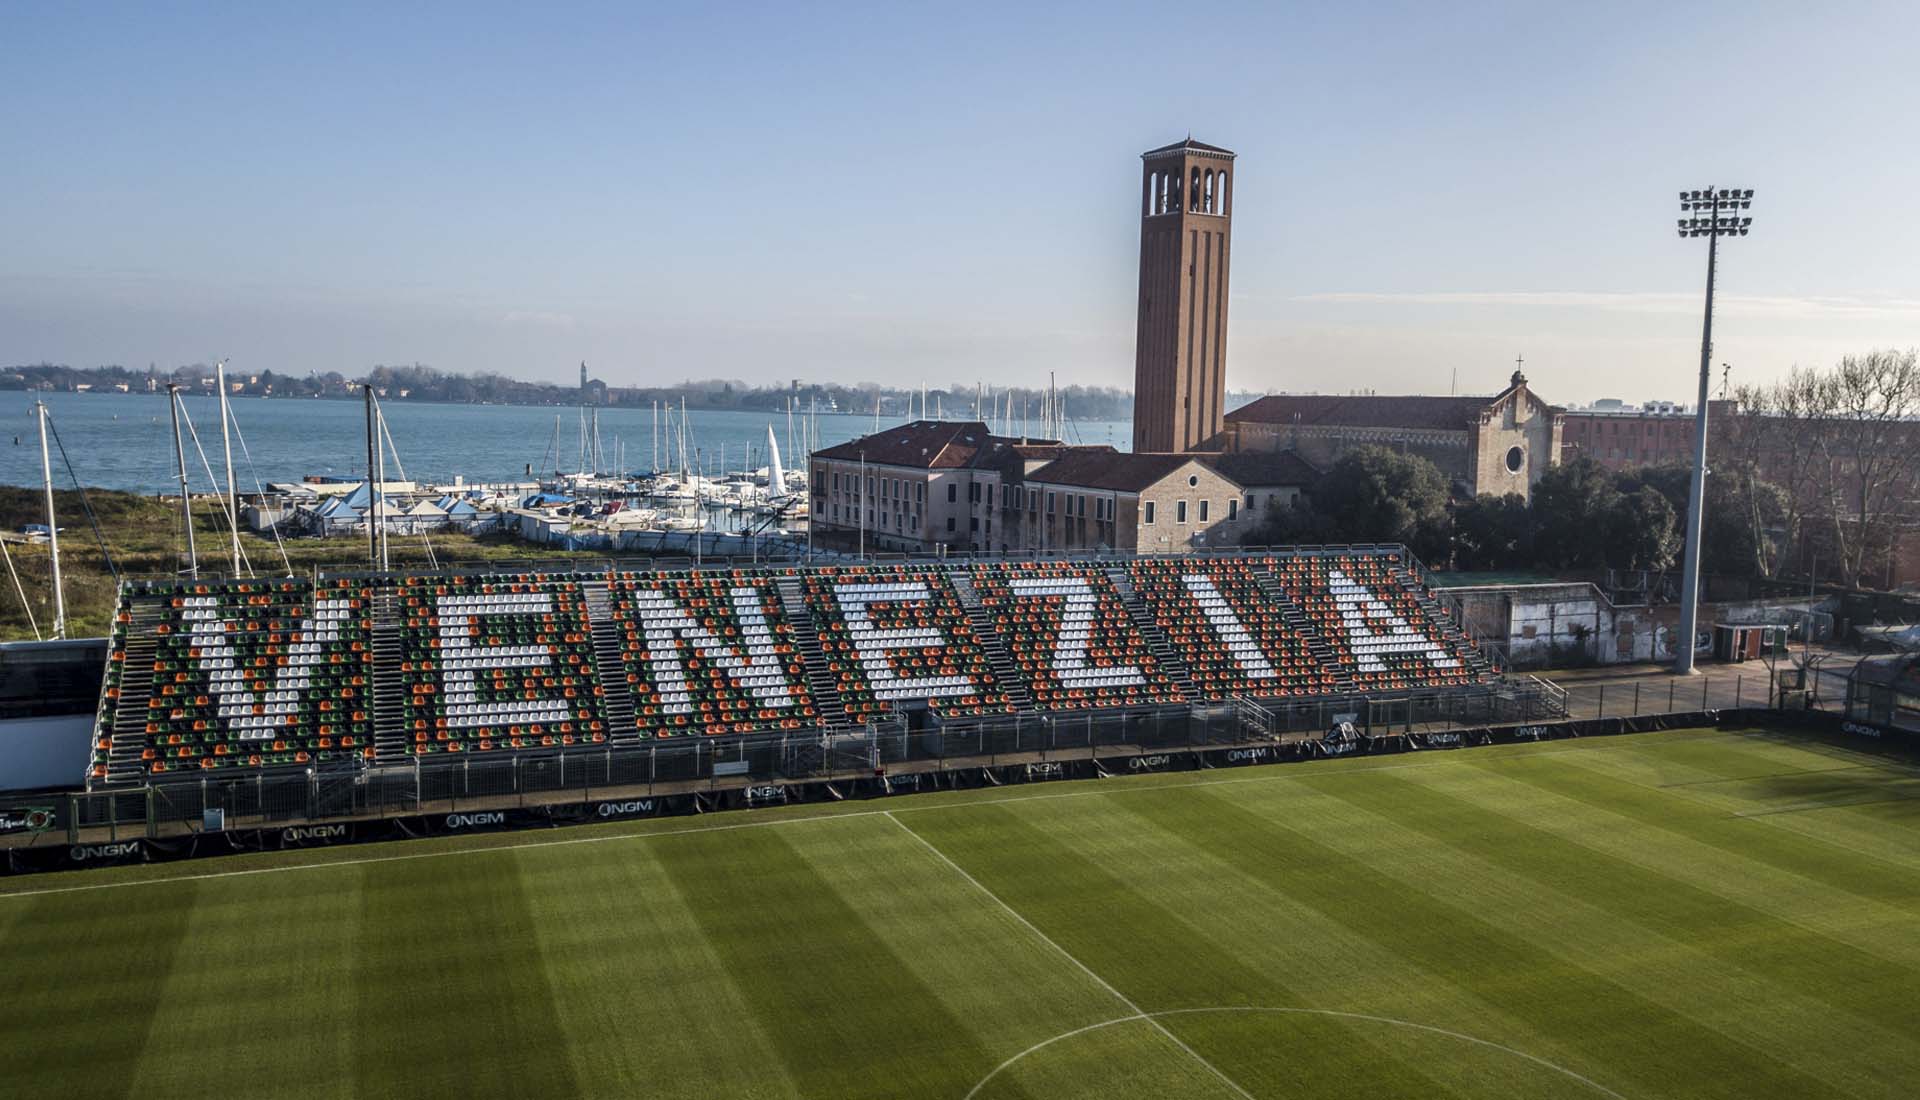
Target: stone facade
<point x="1497" y="445"/>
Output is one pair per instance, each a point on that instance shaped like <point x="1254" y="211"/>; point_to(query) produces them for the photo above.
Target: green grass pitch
<point x="1694" y="914"/>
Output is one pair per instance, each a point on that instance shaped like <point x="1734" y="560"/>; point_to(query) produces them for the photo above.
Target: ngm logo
<point x="80" y="853"/>
<point x="1443" y="740"/>
<point x="1859" y="730"/>
<point x="1046" y="771"/>
<point x="623" y="809"/>
<point x="1145" y="763"/>
<point x="312" y="834"/>
<point x="476" y="821"/>
<point x="1246" y="756"/>
<point x="768" y="792"/>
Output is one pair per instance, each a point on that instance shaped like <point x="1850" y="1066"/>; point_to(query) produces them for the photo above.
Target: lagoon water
<point x="124" y="441"/>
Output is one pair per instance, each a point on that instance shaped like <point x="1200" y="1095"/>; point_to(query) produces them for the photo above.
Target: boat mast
<point x="186" y="499"/>
<point x="656" y="436"/>
<point x="380" y="483"/>
<point x="53" y="527"/>
<point x="373" y="536"/>
<point x="226" y="442"/>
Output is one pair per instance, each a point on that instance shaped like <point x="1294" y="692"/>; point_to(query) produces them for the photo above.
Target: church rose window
<point x="1515" y="458"/>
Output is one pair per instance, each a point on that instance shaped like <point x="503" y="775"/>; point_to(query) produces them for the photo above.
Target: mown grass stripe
<point x="81" y="984"/>
<point x="1591" y="781"/>
<point x="847" y="1017"/>
<point x="649" y="1009"/>
<point x="1157" y="956"/>
<point x="252" y="972"/>
<point x="1880" y="928"/>
<point x="1867" y="803"/>
<point x="451" y="990"/>
<point x="1831" y="989"/>
<point x="985" y="966"/>
<point x="1614" y="1030"/>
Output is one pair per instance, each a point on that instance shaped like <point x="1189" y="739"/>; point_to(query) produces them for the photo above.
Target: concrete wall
<point x="45" y="752"/>
<point x="1561" y="625"/>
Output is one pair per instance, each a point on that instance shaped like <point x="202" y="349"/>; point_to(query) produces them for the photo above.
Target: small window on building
<point x="949" y="523"/>
<point x="1148" y="514"/>
<point x="953" y="492"/>
<point x="1516" y="458"/>
<point x="1180" y="512"/>
<point x="1193" y="480"/>
<point x="1203" y="510"/>
<point x="1233" y="508"/>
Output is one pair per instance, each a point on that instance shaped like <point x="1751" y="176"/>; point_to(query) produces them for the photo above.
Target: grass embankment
<point x="144" y="535"/>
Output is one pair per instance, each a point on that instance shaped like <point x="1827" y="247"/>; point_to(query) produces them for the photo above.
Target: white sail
<point x="776" y="477"/>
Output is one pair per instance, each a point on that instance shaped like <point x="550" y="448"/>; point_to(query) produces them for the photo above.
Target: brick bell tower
<point x="1180" y="347"/>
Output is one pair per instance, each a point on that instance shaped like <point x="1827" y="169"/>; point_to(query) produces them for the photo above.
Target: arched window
<point x="1220" y="193"/>
<point x="1193" y="197"/>
<point x="1207" y="204"/>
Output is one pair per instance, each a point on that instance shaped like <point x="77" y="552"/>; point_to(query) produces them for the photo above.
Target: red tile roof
<point x="1125" y="473"/>
<point x="931" y="445"/>
<point x="1364" y="411"/>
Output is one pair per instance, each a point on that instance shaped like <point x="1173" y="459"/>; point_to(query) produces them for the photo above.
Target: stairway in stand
<point x="1005" y="674"/>
<point x="389" y="694"/>
<point x="1477" y="661"/>
<point x="616" y="699"/>
<point x="1298" y="622"/>
<point x="820" y="682"/>
<point x="1169" y="658"/>
<point x="125" y="763"/>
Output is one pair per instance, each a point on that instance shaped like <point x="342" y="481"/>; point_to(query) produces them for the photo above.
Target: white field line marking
<point x="839" y="816"/>
<point x="1389" y="1020"/>
<point x="1138" y="1012"/>
<point x="449" y="852"/>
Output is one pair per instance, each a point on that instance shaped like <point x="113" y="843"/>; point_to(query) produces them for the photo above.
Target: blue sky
<point x="916" y="192"/>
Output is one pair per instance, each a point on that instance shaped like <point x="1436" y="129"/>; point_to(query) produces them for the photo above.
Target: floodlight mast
<point x="1715" y="213"/>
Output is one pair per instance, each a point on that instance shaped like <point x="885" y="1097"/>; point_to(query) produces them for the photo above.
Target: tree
<point x="1492" y="532"/>
<point x="1642" y="530"/>
<point x="1371" y="495"/>
<point x="1572" y="504"/>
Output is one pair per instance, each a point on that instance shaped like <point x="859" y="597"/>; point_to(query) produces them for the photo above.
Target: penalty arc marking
<point x="1154" y="1018"/>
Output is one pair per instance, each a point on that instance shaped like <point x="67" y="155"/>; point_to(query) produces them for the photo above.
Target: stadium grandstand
<point x="366" y="670"/>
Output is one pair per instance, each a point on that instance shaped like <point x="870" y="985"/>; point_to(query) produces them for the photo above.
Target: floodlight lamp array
<point x="1712" y="212"/>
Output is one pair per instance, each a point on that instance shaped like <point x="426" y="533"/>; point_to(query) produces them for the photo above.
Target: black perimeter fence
<point x="913" y="749"/>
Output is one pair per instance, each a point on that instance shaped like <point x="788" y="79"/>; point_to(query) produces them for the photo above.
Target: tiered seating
<point x="103" y="715"/>
<point x="709" y="653"/>
<point x="1071" y="637"/>
<point x="897" y="633"/>
<point x="1233" y="639"/>
<point x="497" y="661"/>
<point x="255" y="672"/>
<point x="1379" y="632"/>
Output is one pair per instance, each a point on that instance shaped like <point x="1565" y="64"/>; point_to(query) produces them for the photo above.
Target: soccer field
<point x="1697" y="914"/>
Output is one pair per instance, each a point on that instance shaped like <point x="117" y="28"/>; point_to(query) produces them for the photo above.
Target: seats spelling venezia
<point x="384" y="668"/>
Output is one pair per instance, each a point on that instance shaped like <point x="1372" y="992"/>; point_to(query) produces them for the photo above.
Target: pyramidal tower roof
<point x="1187" y="146"/>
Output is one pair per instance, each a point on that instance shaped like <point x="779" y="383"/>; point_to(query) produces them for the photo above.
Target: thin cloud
<point x="540" y="318"/>
<point x="1749" y="305"/>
